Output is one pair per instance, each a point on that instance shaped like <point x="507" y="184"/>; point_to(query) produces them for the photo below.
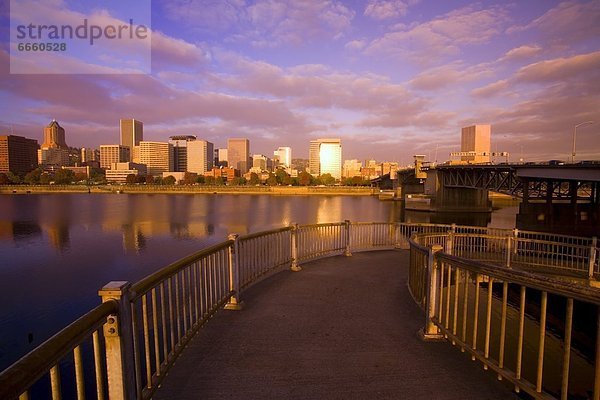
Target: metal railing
<point x="145" y="326"/>
<point x="463" y="304"/>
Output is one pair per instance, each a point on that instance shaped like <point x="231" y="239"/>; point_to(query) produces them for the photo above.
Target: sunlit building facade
<point x="158" y="157"/>
<point x="180" y="151"/>
<point x="238" y="154"/>
<point x="132" y="133"/>
<point x="113" y="153"/>
<point x="325" y="157"/>
<point x="283" y="155"/>
<point x="200" y="155"/>
<point x="476" y="139"/>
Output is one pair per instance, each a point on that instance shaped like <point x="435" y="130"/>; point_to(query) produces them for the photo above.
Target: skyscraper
<point x="54" y="152"/>
<point x="54" y="136"/>
<point x="18" y="154"/>
<point x="158" y="157"/>
<point x="132" y="133"/>
<point x="180" y="151"/>
<point x="113" y="153"/>
<point x="284" y="155"/>
<point x="325" y="157"/>
<point x="238" y="154"/>
<point x="200" y="156"/>
<point x="476" y="138"/>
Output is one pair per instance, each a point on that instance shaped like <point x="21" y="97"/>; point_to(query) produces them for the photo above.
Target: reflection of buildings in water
<point x="18" y="230"/>
<point x="133" y="239"/>
<point x="196" y="230"/>
<point x="58" y="235"/>
<point x="329" y="209"/>
<point x="560" y="218"/>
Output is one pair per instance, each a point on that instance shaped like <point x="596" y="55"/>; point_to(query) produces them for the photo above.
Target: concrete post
<point x="593" y="255"/>
<point x="347" y="225"/>
<point x="294" y="243"/>
<point x="234" y="274"/>
<point x="450" y="240"/>
<point x="430" y="332"/>
<point x="118" y="339"/>
<point x="509" y="240"/>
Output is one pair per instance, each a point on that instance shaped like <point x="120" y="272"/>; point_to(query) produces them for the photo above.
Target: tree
<point x="4" y="179"/>
<point x="140" y="178"/>
<point x="169" y="180"/>
<point x="13" y="178"/>
<point x="33" y="177"/>
<point x="158" y="180"/>
<point x="209" y="180"/>
<point x="149" y="179"/>
<point x="272" y="180"/>
<point x="64" y="176"/>
<point x="237" y="181"/>
<point x="80" y="177"/>
<point x="201" y="179"/>
<point x="254" y="179"/>
<point x="304" y="178"/>
<point x="281" y="175"/>
<point x="45" y="178"/>
<point x="130" y="179"/>
<point x="189" y="178"/>
<point x="97" y="175"/>
<point x="326" y="179"/>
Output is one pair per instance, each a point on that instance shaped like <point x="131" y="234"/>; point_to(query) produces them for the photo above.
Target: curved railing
<point x="147" y="325"/>
<point x="467" y="302"/>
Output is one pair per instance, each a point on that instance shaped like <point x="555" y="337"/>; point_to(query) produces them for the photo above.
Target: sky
<point x="391" y="78"/>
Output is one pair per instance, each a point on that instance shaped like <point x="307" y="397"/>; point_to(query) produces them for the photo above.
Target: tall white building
<point x="325" y="157"/>
<point x="476" y="139"/>
<point x="158" y="157"/>
<point x="284" y="155"/>
<point x="200" y="156"/>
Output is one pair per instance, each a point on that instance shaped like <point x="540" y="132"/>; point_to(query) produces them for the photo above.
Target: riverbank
<point x="195" y="189"/>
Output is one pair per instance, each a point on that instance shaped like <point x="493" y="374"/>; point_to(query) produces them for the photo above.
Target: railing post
<point x="294" y="243"/>
<point x="234" y="274"/>
<point x="430" y="331"/>
<point x="347" y="225"/>
<point x="118" y="339"/>
<point x="593" y="255"/>
<point x="509" y="240"/>
<point x="450" y="240"/>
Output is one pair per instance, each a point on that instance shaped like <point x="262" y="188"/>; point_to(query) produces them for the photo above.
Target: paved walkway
<point x="342" y="328"/>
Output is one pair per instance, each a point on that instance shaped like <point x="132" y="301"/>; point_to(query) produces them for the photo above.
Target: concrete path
<point x="342" y="328"/>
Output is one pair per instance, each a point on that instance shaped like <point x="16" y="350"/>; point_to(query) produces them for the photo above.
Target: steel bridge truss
<point x="504" y="179"/>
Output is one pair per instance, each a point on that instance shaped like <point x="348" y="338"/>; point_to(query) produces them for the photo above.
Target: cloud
<point x="522" y="53"/>
<point x="569" y="23"/>
<point x="386" y="9"/>
<point x="168" y="51"/>
<point x="264" y="23"/>
<point x="440" y="37"/>
<point x="560" y="69"/>
<point x="451" y="74"/>
<point x="355" y="45"/>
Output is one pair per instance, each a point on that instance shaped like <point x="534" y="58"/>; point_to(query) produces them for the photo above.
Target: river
<point x="57" y="250"/>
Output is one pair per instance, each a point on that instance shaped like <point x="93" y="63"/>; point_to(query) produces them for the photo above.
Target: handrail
<point x="154" y="279"/>
<point x="159" y="314"/>
<point x="27" y="370"/>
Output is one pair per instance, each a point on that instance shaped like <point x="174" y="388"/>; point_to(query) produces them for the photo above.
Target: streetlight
<point x="575" y="136"/>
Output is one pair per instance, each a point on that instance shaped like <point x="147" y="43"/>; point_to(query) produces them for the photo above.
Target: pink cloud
<point x="442" y="36"/>
<point x="386" y="9"/>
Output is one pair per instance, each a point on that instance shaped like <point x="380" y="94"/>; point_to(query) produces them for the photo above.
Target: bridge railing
<point x="467" y="302"/>
<point x="145" y="326"/>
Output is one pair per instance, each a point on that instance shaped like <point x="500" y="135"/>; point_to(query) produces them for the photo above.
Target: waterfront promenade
<point x="342" y="328"/>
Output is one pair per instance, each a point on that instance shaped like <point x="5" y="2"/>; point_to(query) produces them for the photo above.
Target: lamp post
<point x="575" y="136"/>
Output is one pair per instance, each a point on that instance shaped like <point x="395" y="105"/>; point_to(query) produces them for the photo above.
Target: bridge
<point x="312" y="317"/>
<point x="572" y="182"/>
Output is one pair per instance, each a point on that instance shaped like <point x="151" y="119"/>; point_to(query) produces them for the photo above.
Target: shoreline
<point x="176" y="189"/>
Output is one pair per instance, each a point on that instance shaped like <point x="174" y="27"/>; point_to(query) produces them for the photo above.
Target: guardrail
<point x="145" y="326"/>
<point x="451" y="290"/>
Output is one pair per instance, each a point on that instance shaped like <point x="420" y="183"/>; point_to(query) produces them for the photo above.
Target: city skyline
<point x="390" y="78"/>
